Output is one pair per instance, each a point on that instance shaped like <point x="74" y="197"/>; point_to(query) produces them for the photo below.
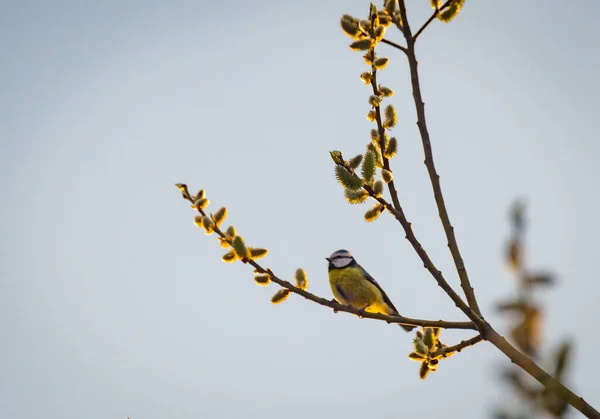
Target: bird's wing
<point x="384" y="295"/>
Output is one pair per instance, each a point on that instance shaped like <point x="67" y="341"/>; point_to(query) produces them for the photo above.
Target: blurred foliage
<point x="526" y="317"/>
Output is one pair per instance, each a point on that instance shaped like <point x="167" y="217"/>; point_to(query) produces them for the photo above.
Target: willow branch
<point x="431" y="18"/>
<point x="395" y="45"/>
<point x="429" y="163"/>
<point x="340" y="307"/>
<point x="451" y="350"/>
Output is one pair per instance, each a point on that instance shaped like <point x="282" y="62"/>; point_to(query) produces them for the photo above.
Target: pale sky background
<point x="113" y="304"/>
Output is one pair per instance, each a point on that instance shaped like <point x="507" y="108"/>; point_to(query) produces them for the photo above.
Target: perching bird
<point x="352" y="285"/>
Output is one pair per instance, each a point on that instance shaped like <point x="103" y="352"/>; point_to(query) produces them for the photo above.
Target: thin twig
<point x="340" y="307"/>
<point x="431" y="18"/>
<point x="433" y="176"/>
<point x="395" y="45"/>
<point x="450" y="350"/>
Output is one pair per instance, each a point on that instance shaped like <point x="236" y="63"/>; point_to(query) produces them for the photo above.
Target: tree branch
<point x="340" y="307"/>
<point x="433" y="176"/>
<point x="395" y="45"/>
<point x="431" y="18"/>
<point x="451" y="350"/>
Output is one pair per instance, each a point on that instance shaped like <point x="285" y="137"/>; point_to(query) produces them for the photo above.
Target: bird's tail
<point x="407" y="328"/>
<point x="391" y="310"/>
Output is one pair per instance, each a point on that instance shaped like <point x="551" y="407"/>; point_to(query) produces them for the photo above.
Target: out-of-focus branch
<point x="534" y="370"/>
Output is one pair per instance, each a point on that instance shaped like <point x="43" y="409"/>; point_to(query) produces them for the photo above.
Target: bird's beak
<point x="328" y="260"/>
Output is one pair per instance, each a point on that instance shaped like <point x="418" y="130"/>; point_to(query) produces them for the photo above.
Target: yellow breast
<point x="350" y="287"/>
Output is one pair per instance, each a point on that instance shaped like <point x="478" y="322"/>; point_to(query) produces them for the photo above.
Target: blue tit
<point x="353" y="286"/>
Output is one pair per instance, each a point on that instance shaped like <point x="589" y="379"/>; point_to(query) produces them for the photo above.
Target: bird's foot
<point x="361" y="312"/>
<point x="334" y="301"/>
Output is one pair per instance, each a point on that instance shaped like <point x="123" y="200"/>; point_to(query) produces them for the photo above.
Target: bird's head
<point x="340" y="259"/>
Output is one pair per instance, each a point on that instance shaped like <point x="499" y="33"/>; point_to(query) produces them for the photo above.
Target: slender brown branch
<point x="451" y="350"/>
<point x="434" y="177"/>
<point x="340" y="307"/>
<point x="431" y="18"/>
<point x="395" y="45"/>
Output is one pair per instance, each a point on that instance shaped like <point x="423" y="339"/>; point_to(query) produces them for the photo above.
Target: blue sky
<point x="113" y="304"/>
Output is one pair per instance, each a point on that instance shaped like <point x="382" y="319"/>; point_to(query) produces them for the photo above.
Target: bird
<point x="352" y="285"/>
